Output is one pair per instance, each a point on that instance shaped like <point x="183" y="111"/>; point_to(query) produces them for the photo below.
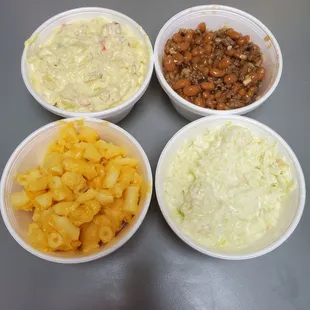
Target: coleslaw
<point x="227" y="186"/>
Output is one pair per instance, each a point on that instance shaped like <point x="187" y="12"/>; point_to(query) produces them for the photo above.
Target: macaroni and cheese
<point x="82" y="194"/>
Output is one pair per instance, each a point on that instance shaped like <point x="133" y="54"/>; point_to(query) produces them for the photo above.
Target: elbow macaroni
<point x="82" y="194"/>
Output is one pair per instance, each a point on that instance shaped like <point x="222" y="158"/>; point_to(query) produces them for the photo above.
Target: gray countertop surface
<point x="155" y="269"/>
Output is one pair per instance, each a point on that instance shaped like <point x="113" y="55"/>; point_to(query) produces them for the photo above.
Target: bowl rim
<point x="206" y="111"/>
<point x="91" y="257"/>
<point x="100" y="114"/>
<point x="203" y="249"/>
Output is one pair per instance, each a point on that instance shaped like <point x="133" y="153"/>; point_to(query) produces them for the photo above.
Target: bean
<point x="169" y="64"/>
<point x="208" y="37"/>
<point x="177" y="37"/>
<point x="205" y="71"/>
<point x="237" y="54"/>
<point x="183" y="46"/>
<point x="191" y="90"/>
<point x="224" y="63"/>
<point x="209" y="86"/>
<point x="197" y="51"/>
<point x="216" y="72"/>
<point x="188" y="56"/>
<point x="222" y="106"/>
<point x="247" y="97"/>
<point x="212" y="56"/>
<point x="196" y="60"/>
<point x="204" y="60"/>
<point x="242" y="92"/>
<point x="202" y="27"/>
<point x="210" y="103"/>
<point x="198" y="40"/>
<point x="244" y="40"/>
<point x="254" y="57"/>
<point x="178" y="59"/>
<point x="205" y="94"/>
<point x="236" y="87"/>
<point x="252" y="91"/>
<point x="208" y="48"/>
<point x="180" y="84"/>
<point x="230" y="52"/>
<point x="244" y="70"/>
<point x="168" y="46"/>
<point x="218" y="94"/>
<point x="260" y="73"/>
<point x="216" y="63"/>
<point x="186" y="98"/>
<point x="254" y="76"/>
<point x="189" y="36"/>
<point x="233" y="34"/>
<point x="199" y="101"/>
<point x="230" y="78"/>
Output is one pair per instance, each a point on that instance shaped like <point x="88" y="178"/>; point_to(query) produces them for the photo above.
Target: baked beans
<point x="219" y="69"/>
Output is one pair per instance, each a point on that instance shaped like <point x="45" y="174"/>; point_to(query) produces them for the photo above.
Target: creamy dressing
<point x="88" y="65"/>
<point x="226" y="187"/>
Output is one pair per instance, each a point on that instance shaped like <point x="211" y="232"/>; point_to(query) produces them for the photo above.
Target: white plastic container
<point x="30" y="153"/>
<point x="292" y="209"/>
<point x="117" y="113"/>
<point x="216" y="17"/>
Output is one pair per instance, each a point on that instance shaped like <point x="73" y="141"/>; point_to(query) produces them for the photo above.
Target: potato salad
<point x="88" y="65"/>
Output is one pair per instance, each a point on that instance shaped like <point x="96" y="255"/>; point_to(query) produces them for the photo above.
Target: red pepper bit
<point x="102" y="43"/>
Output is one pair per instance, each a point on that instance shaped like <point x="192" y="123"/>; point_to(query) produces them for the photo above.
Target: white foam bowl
<point x="115" y="114"/>
<point x="292" y="208"/>
<point x="216" y="17"/>
<point x="30" y="153"/>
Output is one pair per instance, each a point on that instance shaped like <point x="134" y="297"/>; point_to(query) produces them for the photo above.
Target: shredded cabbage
<point x="226" y="187"/>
